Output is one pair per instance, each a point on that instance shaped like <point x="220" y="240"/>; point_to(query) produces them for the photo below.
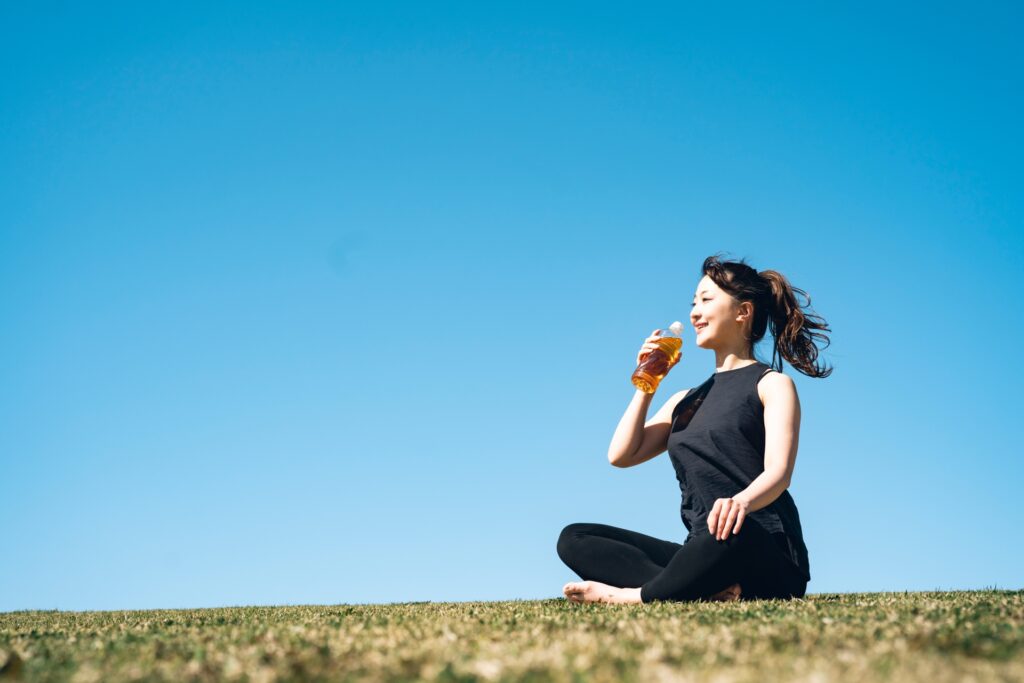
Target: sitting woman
<point x="732" y="441"/>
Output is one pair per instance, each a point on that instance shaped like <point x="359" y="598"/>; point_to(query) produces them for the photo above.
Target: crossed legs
<point x="654" y="569"/>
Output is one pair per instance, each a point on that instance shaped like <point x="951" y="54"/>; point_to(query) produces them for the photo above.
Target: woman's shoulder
<point x="774" y="383"/>
<point x="675" y="399"/>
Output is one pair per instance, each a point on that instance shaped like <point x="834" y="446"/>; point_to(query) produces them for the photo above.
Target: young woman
<point x="732" y="441"/>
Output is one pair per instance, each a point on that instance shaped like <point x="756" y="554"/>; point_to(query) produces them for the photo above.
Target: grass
<point x="923" y="636"/>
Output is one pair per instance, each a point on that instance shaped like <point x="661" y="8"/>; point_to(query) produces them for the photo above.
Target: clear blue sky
<point x="340" y="304"/>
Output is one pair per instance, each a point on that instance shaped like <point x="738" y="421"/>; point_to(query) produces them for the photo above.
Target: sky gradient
<point x="340" y="305"/>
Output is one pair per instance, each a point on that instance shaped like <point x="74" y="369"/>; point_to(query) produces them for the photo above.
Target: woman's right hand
<point x="649" y="345"/>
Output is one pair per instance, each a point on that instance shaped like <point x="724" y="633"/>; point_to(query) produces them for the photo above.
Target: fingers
<point x="726" y="517"/>
<point x="713" y="518"/>
<point x="740" y="516"/>
<point x="644" y="350"/>
<point x="730" y="521"/>
<point x="649" y="345"/>
<point x="723" y="519"/>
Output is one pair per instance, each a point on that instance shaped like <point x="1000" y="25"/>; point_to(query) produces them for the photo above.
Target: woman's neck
<point x="728" y="360"/>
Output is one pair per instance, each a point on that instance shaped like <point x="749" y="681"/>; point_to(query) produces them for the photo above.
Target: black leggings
<point x="694" y="570"/>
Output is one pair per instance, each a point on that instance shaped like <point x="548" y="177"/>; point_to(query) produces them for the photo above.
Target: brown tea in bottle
<point x="655" y="365"/>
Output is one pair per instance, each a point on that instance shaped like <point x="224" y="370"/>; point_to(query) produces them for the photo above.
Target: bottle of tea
<point x="656" y="364"/>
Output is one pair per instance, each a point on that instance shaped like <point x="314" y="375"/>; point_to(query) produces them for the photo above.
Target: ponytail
<point x="775" y="303"/>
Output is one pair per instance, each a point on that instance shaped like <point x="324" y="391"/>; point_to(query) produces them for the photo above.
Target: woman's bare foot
<point x="731" y="593"/>
<point x="595" y="591"/>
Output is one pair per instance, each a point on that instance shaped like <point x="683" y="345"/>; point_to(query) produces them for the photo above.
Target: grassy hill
<point x="923" y="636"/>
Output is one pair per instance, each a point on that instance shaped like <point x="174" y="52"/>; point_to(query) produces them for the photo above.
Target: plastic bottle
<point x="655" y="365"/>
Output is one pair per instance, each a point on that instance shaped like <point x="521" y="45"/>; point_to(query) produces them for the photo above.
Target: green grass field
<point x="925" y="636"/>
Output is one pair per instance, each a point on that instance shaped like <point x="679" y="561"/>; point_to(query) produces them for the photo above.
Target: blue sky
<point x="339" y="304"/>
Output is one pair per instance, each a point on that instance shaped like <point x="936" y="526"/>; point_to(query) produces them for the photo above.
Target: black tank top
<point x="717" y="448"/>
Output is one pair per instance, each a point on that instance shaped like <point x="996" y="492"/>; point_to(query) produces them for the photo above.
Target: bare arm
<point x="635" y="441"/>
<point x="782" y="434"/>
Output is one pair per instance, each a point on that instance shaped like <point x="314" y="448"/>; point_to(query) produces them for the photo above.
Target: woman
<point x="732" y="441"/>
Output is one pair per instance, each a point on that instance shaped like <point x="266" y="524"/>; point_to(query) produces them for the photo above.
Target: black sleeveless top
<point x="717" y="448"/>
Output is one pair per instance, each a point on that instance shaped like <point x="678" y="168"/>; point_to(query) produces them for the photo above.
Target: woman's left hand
<point x="726" y="517"/>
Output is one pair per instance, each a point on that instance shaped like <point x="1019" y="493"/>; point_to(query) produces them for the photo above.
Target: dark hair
<point x="775" y="303"/>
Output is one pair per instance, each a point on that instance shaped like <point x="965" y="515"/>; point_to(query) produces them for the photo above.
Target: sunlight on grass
<point x="926" y="636"/>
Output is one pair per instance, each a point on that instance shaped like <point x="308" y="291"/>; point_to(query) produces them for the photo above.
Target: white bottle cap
<point x="676" y="328"/>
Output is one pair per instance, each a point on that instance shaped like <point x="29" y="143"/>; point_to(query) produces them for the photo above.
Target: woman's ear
<point x="744" y="310"/>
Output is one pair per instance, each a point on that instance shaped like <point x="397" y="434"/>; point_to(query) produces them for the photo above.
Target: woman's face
<point x="714" y="316"/>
